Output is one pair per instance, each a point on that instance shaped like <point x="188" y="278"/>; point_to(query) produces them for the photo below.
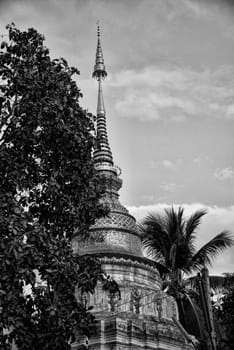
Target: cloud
<point x="224" y="214"/>
<point x="230" y="111"/>
<point x="170" y="187"/>
<point x="173" y="94"/>
<point x="190" y="8"/>
<point x="168" y="93"/>
<point x="224" y="174"/>
<point x="198" y="159"/>
<point x="168" y="164"/>
<point x="205" y="10"/>
<point x="201" y="159"/>
<point x="143" y="94"/>
<point x="215" y="221"/>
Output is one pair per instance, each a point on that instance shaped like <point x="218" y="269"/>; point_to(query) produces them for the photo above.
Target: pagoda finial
<point x="103" y="151"/>
<point x="99" y="67"/>
<point x="98" y="29"/>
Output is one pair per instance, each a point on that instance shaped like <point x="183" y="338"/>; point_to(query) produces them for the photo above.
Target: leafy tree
<point x="224" y="313"/>
<point x="49" y="192"/>
<point x="169" y="239"/>
<point x="228" y="316"/>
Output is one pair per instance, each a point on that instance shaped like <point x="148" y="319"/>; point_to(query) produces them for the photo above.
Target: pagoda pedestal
<point x="144" y="317"/>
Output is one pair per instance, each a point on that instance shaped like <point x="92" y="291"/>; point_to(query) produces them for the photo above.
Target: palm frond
<point x="154" y="236"/>
<point x="192" y="224"/>
<point x="162" y="269"/>
<point x="168" y="239"/>
<point x="210" y="250"/>
<point x="174" y="222"/>
<point x="153" y="249"/>
<point x="154" y="221"/>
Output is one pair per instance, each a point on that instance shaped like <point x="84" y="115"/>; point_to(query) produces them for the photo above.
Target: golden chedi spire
<point x="99" y="67"/>
<point x="117" y="232"/>
<point x="103" y="151"/>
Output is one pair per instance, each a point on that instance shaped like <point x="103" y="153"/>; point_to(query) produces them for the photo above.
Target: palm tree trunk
<point x="181" y="311"/>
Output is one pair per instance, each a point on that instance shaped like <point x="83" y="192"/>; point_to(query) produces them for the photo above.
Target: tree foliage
<point x="227" y="316"/>
<point x="224" y="314"/>
<point x="49" y="192"/>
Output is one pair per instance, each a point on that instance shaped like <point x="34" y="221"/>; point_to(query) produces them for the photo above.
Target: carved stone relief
<point x="136" y="296"/>
<point x="113" y="299"/>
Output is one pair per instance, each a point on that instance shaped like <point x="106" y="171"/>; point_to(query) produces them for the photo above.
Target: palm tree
<point x="169" y="239"/>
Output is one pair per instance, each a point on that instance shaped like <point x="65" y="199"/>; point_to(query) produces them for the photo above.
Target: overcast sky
<point x="168" y="95"/>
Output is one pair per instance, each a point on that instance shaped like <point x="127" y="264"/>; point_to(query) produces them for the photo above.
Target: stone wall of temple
<point x="142" y="317"/>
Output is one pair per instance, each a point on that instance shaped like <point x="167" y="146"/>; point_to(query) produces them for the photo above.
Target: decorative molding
<point x="129" y="262"/>
<point x="121" y="220"/>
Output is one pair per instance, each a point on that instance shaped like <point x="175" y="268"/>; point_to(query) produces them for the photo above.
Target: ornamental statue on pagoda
<point x="144" y="317"/>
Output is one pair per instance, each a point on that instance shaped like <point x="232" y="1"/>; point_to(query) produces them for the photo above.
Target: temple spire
<point x="103" y="151"/>
<point x="99" y="67"/>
